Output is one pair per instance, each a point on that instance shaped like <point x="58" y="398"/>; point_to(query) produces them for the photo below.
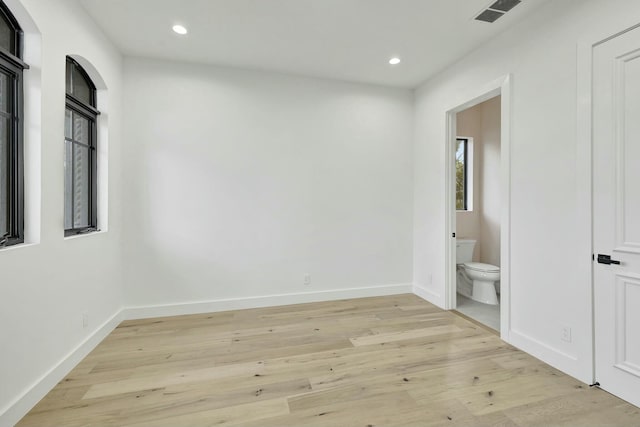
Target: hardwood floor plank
<point x="146" y="382"/>
<point x="183" y="400"/>
<point x="104" y="411"/>
<point x="367" y="411"/>
<point x="392" y="361"/>
<point x="227" y="416"/>
<point x="403" y="335"/>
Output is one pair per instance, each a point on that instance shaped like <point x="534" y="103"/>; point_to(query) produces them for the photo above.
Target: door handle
<point x="606" y="259"/>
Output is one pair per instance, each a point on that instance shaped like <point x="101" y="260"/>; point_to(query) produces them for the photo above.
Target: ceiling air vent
<point x="496" y="10"/>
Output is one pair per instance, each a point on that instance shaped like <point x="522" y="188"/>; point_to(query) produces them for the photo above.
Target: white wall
<point x="549" y="269"/>
<point x="46" y="285"/>
<point x="240" y="182"/>
<point x="489" y="184"/>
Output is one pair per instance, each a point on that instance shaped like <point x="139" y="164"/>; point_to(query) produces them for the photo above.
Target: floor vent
<point x="496" y="10"/>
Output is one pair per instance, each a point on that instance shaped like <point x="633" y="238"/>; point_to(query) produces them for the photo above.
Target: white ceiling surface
<point x="340" y="39"/>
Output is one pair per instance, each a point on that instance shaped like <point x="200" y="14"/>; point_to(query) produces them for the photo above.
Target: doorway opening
<point x="477" y="209"/>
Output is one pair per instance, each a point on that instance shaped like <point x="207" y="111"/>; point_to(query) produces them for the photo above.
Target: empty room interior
<point x="319" y="212"/>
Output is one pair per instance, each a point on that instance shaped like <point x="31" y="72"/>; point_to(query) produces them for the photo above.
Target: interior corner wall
<point x="239" y="183"/>
<point x="48" y="285"/>
<point x="549" y="269"/>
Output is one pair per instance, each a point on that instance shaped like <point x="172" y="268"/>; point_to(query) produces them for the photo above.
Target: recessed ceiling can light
<point x="179" y="29"/>
<point x="394" y="61"/>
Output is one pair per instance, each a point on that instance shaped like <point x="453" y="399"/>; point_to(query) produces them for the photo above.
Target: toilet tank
<point x="464" y="250"/>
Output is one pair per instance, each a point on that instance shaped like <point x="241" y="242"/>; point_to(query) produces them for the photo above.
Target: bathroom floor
<point x="488" y="315"/>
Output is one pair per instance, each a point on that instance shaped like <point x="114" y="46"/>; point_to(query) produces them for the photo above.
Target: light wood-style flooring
<point x="384" y="361"/>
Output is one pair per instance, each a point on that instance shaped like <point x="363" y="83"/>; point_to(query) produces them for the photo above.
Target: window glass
<point x="4" y="184"/>
<point x="81" y="166"/>
<point x="77" y="186"/>
<point x="6" y="35"/>
<point x="80" y="129"/>
<point x="68" y="77"/>
<point x="11" y="114"/>
<point x="5" y="153"/>
<point x="80" y="152"/>
<point x="77" y="171"/>
<point x="461" y="175"/>
<point x="81" y="89"/>
<point x="68" y="126"/>
<point x="68" y="184"/>
<point x="5" y="93"/>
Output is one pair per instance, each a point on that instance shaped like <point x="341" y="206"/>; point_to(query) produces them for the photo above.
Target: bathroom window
<point x="11" y="118"/>
<point x="80" y="139"/>
<point x="464" y="174"/>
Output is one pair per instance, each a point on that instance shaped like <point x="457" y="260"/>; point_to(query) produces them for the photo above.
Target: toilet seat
<point x="480" y="266"/>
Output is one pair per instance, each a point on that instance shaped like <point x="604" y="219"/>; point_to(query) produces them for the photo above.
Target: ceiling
<point x="340" y="39"/>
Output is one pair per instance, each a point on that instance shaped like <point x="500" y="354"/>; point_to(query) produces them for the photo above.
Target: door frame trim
<point x="503" y="87"/>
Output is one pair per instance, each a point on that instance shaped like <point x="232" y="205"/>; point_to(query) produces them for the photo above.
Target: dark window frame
<point x="91" y="113"/>
<point x="11" y="64"/>
<point x="465" y="178"/>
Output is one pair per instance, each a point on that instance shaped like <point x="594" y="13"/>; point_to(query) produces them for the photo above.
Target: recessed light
<point x="394" y="61"/>
<point x="179" y="29"/>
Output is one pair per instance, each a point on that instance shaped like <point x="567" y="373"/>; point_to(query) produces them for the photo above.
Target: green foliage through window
<point x="461" y="174"/>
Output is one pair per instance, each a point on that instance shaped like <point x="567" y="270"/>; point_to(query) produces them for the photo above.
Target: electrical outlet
<point x="85" y="320"/>
<point x="566" y="334"/>
<point x="307" y="279"/>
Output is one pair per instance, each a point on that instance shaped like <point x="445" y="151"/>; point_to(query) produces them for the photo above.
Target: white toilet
<point x="475" y="279"/>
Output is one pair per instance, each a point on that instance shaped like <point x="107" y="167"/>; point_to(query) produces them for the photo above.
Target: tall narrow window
<point x="11" y="118"/>
<point x="462" y="160"/>
<point x="80" y="135"/>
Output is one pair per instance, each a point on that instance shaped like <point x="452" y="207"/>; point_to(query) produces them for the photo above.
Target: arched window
<point x="11" y="118"/>
<point x="80" y="136"/>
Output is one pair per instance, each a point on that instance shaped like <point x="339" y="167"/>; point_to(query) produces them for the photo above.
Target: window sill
<point x="81" y="235"/>
<point x="17" y="247"/>
<point x="464" y="211"/>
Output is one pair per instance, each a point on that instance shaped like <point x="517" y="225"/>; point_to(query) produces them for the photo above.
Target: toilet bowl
<point x="475" y="279"/>
<point x="484" y="278"/>
<point x="464" y="285"/>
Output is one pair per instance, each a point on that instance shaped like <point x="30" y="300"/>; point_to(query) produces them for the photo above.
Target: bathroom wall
<point x="469" y="124"/>
<point x="482" y="123"/>
<point x="489" y="183"/>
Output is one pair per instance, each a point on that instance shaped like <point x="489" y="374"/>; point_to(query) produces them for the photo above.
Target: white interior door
<point x="616" y="214"/>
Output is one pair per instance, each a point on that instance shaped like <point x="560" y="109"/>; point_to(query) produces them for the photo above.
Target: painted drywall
<point x="239" y="183"/>
<point x="489" y="183"/>
<point x="236" y="180"/>
<point x="550" y="267"/>
<point x="48" y="283"/>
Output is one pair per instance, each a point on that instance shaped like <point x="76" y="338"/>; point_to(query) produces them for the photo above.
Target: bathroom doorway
<point x="478" y="209"/>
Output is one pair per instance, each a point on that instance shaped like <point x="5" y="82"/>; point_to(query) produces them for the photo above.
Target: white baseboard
<point x="428" y="295"/>
<point x="13" y="412"/>
<point x="555" y="357"/>
<point x="197" y="307"/>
